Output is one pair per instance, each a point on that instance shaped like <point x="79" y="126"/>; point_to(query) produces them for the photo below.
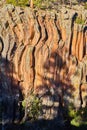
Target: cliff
<point x="46" y="51"/>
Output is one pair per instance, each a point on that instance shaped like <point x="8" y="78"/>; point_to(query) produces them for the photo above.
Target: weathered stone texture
<point x="46" y="51"/>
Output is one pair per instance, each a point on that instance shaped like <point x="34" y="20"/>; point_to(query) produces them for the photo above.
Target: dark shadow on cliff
<point x="57" y="86"/>
<point x="58" y="89"/>
<point x="10" y="95"/>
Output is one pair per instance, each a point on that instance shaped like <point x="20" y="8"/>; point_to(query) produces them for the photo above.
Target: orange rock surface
<point x="40" y="51"/>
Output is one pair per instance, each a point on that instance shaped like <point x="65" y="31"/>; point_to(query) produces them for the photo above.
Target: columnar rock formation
<point x="46" y="51"/>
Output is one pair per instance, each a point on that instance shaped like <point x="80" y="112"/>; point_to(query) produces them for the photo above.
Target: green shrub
<point x="79" y="20"/>
<point x="33" y="105"/>
<point x="77" y="121"/>
<point x="37" y="3"/>
<point x="18" y="2"/>
<point x="24" y="2"/>
<point x="77" y="117"/>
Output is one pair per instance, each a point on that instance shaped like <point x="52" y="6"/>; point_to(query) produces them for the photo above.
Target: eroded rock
<point x="46" y="52"/>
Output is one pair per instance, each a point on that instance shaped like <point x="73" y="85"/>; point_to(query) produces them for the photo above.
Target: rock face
<point x="46" y="51"/>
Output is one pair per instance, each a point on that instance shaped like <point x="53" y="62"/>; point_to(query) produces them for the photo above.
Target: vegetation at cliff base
<point x="77" y="117"/>
<point x="33" y="106"/>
